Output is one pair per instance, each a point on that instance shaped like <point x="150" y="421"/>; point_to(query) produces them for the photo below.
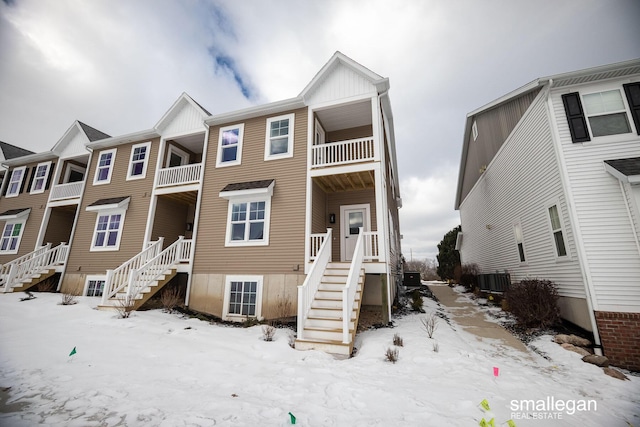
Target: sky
<point x="119" y="65"/>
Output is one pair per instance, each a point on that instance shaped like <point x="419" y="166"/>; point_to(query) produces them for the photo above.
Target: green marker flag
<point x="293" y="419"/>
<point x="485" y="404"/>
<point x="510" y="423"/>
<point x="492" y="422"/>
<point x="483" y="423"/>
<point x="73" y="352"/>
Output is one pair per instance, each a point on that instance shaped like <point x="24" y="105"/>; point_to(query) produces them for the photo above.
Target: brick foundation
<point x="620" y="335"/>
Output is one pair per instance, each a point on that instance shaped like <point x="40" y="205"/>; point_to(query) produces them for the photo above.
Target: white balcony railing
<point x="342" y="152"/>
<point x="66" y="191"/>
<point x="180" y="175"/>
<point x="371" y="247"/>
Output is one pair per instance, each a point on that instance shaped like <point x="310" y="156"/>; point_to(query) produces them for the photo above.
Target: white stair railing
<point x="20" y="269"/>
<point x="351" y="287"/>
<point x="308" y="289"/>
<point x="118" y="279"/>
<point x="371" y="247"/>
<point x="144" y="276"/>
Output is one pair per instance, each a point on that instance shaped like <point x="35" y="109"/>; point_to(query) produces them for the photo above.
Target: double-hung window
<point x="249" y="213"/>
<point x="15" y="182"/>
<point x="557" y="231"/>
<point x="107" y="232"/>
<point x="139" y="160"/>
<point x="15" y="221"/>
<point x="279" y="139"/>
<point x="606" y="113"/>
<point x="242" y="297"/>
<point x="40" y="178"/>
<point x="230" y="145"/>
<point x="104" y="167"/>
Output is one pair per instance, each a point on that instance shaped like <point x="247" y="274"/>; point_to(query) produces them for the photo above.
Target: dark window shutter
<point x="24" y="178"/>
<point x="632" y="90"/>
<point x="50" y="177"/>
<point x="575" y="117"/>
<point x="5" y="183"/>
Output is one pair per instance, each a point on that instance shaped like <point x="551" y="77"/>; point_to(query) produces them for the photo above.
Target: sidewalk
<point x="472" y="319"/>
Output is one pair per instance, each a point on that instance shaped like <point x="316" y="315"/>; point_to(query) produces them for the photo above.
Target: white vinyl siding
<point x="505" y="192"/>
<point x="605" y="227"/>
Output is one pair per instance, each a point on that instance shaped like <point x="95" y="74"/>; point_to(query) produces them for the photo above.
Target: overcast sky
<point x="119" y="66"/>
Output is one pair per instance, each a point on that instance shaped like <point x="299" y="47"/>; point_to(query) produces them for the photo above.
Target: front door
<point x="352" y="218"/>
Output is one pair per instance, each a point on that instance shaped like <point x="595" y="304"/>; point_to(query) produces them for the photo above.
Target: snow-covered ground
<point x="159" y="369"/>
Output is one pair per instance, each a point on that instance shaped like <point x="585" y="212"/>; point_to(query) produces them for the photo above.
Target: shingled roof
<point x="92" y="133"/>
<point x="11" y="151"/>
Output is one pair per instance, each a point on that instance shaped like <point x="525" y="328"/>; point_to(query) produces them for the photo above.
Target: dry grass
<point x="268" y="332"/>
<point x="70" y="296"/>
<point x="430" y="324"/>
<point x="391" y="355"/>
<point x="397" y="340"/>
<point x="170" y="299"/>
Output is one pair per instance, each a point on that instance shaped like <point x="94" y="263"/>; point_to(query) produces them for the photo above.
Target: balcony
<point x="343" y="152"/>
<point x="180" y="175"/>
<point x="71" y="190"/>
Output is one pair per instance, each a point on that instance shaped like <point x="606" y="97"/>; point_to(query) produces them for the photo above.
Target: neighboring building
<point x="549" y="188"/>
<point x="276" y="210"/>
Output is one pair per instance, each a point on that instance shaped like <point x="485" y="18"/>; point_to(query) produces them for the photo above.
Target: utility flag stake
<point x="293" y="419"/>
<point x="485" y="405"/>
<point x="73" y="352"/>
<point x="510" y="423"/>
<point x="496" y="371"/>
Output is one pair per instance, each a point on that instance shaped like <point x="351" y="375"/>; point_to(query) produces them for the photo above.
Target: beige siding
<point x="60" y="225"/>
<point x="494" y="127"/>
<point x="81" y="259"/>
<point x="351" y="133"/>
<point x="335" y="200"/>
<point x="319" y="214"/>
<point x="37" y="203"/>
<point x="170" y="220"/>
<point x="285" y="251"/>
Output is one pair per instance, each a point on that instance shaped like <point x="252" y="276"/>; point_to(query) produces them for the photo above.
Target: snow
<point x="160" y="369"/>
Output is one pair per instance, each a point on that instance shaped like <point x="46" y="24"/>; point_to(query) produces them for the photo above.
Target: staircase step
<point x="327" y="334"/>
<point x="333" y="347"/>
<point x="328" y="322"/>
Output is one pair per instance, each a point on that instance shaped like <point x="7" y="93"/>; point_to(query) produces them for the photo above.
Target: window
<point x="249" y="212"/>
<point x="104" y="167"/>
<point x="139" y="161"/>
<point x="242" y="297"/>
<point x="176" y="157"/>
<point x="474" y="130"/>
<point x="109" y="223"/>
<point x="40" y="178"/>
<point x="94" y="286"/>
<point x="606" y="113"/>
<point x="230" y="145"/>
<point x="517" y="231"/>
<point x="279" y="139"/>
<point x="556" y="229"/>
<point x="11" y="235"/>
<point x="15" y="182"/>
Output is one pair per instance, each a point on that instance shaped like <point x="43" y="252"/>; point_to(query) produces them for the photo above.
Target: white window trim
<point x="73" y="167"/>
<point x="238" y="160"/>
<point x="608" y="138"/>
<point x="24" y="171"/>
<point x="267" y="140"/>
<point x="113" y="162"/>
<point x="184" y="156"/>
<point x="517" y="225"/>
<point x="109" y="212"/>
<point x="143" y="175"/>
<point x="562" y="228"/>
<point x="94" y="277"/>
<point x="267" y="220"/>
<point x="227" y="297"/>
<point x="35" y="178"/>
<point x="474" y="130"/>
<point x="22" y="221"/>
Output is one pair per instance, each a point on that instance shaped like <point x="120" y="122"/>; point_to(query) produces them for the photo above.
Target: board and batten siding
<point x="601" y="208"/>
<point x="518" y="186"/>
<point x="81" y="259"/>
<point x="285" y="250"/>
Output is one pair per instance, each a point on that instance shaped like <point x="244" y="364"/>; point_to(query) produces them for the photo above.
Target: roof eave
<point x="257" y="111"/>
<point x="30" y="158"/>
<point x="124" y="139"/>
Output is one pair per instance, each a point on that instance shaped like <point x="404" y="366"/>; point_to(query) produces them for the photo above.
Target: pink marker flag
<point x="496" y="371"/>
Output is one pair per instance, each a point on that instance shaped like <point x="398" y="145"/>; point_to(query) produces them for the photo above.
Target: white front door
<point x="351" y="219"/>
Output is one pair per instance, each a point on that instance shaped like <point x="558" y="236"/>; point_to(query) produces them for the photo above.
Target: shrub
<point x="397" y="340"/>
<point x="392" y="354"/>
<point x="70" y="296"/>
<point x="430" y="324"/>
<point x="534" y="303"/>
<point x="436" y="347"/>
<point x="416" y="301"/>
<point x="170" y="299"/>
<point x="467" y="275"/>
<point x="268" y="332"/>
<point x="124" y="306"/>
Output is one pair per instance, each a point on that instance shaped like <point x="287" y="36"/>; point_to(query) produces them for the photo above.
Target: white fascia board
<point x="124" y="139"/>
<point x="257" y="111"/>
<point x="513" y="94"/>
<point x="30" y="158"/>
<point x="631" y="179"/>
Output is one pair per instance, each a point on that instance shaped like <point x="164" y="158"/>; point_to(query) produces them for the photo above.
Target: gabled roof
<point x="587" y="75"/>
<point x="11" y="151"/>
<point x="92" y="133"/>
<point x="171" y="113"/>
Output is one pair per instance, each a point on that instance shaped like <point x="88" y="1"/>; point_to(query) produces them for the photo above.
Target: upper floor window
<point x="15" y="181"/>
<point x="40" y="178"/>
<point x="279" y="139"/>
<point x="139" y="160"/>
<point x="517" y="231"/>
<point x="230" y="145"/>
<point x="104" y="167"/>
<point x="606" y="113"/>
<point x="557" y="231"/>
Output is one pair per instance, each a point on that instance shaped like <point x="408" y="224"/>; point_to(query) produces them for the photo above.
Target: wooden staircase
<point x="135" y="301"/>
<point x="33" y="280"/>
<point x="28" y="270"/>
<point x="323" y="327"/>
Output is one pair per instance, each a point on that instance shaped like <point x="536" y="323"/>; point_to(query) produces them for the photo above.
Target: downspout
<point x="626" y="205"/>
<point x="575" y="225"/>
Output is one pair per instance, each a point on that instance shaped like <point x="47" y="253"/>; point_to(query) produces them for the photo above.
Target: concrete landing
<point x="472" y="319"/>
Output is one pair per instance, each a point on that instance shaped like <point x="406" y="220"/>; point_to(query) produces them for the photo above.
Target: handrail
<point x="141" y="277"/>
<point x="16" y="271"/>
<point x="351" y="287"/>
<point x="7" y="271"/>
<point x="176" y="175"/>
<point x="308" y="289"/>
<point x="118" y="278"/>
<point x="343" y="152"/>
<point x="371" y="246"/>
